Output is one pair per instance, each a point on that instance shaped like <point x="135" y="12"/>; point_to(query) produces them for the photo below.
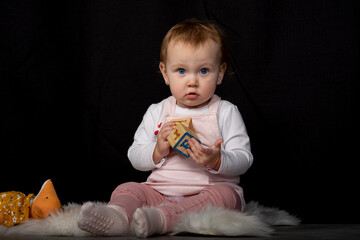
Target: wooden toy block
<point x="180" y="136"/>
<point x="187" y="122"/>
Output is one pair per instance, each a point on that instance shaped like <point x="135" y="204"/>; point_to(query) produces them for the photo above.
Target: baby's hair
<point x="194" y="32"/>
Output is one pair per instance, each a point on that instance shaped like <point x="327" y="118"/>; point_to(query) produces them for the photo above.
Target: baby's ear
<point x="222" y="71"/>
<point x="163" y="72"/>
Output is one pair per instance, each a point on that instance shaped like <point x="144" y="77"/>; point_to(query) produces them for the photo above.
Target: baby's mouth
<point x="191" y="95"/>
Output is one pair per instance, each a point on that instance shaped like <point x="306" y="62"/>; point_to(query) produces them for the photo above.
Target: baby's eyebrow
<point x="207" y="65"/>
<point x="178" y="65"/>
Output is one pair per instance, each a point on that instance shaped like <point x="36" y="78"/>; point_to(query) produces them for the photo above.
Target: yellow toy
<point x="16" y="207"/>
<point x="180" y="136"/>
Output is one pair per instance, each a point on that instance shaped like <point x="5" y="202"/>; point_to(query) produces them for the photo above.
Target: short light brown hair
<point x="194" y="32"/>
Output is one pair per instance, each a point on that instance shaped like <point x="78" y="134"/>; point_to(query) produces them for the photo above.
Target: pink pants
<point x="131" y="196"/>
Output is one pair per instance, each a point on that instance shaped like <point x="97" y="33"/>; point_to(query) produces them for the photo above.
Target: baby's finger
<point x="195" y="142"/>
<point x="168" y="127"/>
<point x="197" y="147"/>
<point x="171" y="124"/>
<point x="194" y="146"/>
<point x="191" y="154"/>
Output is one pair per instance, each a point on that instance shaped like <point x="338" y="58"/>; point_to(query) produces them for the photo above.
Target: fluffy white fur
<point x="256" y="220"/>
<point x="222" y="222"/>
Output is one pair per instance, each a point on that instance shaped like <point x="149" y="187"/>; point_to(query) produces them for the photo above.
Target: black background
<point x="77" y="77"/>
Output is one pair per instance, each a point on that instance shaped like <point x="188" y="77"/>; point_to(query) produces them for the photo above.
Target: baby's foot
<point x="148" y="222"/>
<point x="102" y="220"/>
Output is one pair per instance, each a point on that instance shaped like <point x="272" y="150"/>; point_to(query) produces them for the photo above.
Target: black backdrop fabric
<point x="77" y="77"/>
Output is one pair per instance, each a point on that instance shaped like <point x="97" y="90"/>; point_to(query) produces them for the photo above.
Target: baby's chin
<point x="191" y="104"/>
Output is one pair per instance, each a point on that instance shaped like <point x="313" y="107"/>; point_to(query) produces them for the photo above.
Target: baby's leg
<point x="220" y="195"/>
<point x="114" y="219"/>
<point x="131" y="196"/>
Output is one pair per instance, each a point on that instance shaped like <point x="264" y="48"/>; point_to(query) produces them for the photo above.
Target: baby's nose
<point x="192" y="81"/>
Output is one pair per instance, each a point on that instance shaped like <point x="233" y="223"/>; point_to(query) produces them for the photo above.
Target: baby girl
<point x="193" y="62"/>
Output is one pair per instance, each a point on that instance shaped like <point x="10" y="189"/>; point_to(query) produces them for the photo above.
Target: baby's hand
<point x="162" y="147"/>
<point x="209" y="157"/>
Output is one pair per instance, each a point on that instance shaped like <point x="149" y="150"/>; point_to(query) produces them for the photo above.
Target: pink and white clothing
<point x="177" y="175"/>
<point x="178" y="184"/>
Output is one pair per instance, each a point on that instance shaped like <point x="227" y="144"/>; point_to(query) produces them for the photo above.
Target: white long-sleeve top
<point x="236" y="157"/>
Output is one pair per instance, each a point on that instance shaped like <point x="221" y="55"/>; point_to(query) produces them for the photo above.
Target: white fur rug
<point x="256" y="220"/>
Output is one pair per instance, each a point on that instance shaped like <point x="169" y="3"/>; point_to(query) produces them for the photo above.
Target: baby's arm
<point x="236" y="158"/>
<point x="141" y="151"/>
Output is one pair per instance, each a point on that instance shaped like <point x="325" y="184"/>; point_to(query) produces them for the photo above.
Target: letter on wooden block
<point x="180" y="136"/>
<point x="187" y="122"/>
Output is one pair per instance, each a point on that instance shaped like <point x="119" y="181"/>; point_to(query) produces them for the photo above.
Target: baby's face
<point x="193" y="73"/>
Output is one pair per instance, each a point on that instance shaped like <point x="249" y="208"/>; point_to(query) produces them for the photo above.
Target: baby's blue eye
<point x="203" y="71"/>
<point x="181" y="71"/>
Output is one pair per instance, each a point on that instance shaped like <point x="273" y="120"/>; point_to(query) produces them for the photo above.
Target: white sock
<point x="103" y="220"/>
<point x="148" y="222"/>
